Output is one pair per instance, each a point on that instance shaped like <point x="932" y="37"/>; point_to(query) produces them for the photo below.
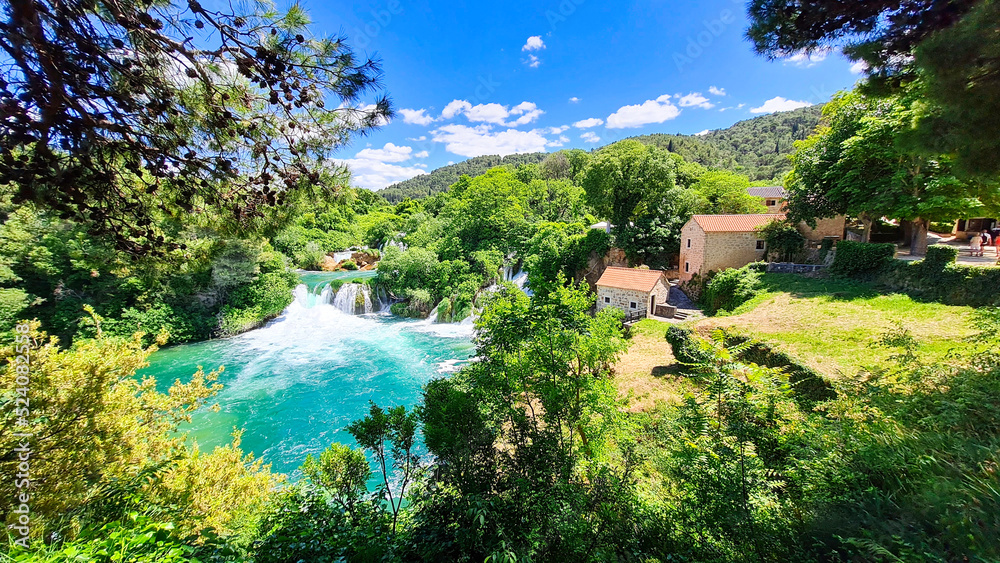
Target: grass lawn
<point x="834" y="325"/>
<point x="830" y="325"/>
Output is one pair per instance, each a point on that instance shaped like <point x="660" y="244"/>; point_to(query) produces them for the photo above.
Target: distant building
<point x="966" y="227"/>
<point x="632" y="290"/>
<point x="717" y="242"/>
<point x="775" y="198"/>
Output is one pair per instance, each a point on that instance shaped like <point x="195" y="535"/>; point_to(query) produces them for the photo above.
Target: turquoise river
<point x="293" y="385"/>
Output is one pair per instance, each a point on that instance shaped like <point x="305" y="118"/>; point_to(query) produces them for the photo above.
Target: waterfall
<point x="351" y="298"/>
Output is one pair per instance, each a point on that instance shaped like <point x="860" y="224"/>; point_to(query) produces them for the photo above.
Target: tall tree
<point x="115" y="111"/>
<point x="856" y="164"/>
<point x="949" y="48"/>
<point x="627" y="179"/>
<point x="721" y="191"/>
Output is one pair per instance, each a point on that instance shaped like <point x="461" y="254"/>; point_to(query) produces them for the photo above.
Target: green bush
<point x="731" y="288"/>
<point x="349" y="265"/>
<point x="784" y="242"/>
<point x="860" y="259"/>
<point x="685" y="347"/>
<point x="939" y="255"/>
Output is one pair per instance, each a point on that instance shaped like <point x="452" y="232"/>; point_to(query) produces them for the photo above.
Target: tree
<point x="857" y="165"/>
<point x="724" y="192"/>
<point x="115" y="112"/>
<point x="396" y="428"/>
<point x="948" y="49"/>
<point x="556" y="166"/>
<point x="626" y="180"/>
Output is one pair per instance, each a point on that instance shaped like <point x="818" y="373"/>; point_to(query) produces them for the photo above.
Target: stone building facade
<point x="775" y="198"/>
<point x="632" y="289"/>
<point x="717" y="242"/>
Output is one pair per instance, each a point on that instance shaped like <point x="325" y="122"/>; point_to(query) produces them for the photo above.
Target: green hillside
<point x="757" y="147"/>
<point x="439" y="180"/>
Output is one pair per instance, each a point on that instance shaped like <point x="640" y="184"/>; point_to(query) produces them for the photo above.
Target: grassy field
<point x="831" y="325"/>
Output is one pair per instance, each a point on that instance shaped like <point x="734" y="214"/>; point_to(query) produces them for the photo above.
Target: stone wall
<point x="693" y="252"/>
<point x="623" y="298"/>
<point x="597" y="264"/>
<point x="831" y="227"/>
<point x="730" y="250"/>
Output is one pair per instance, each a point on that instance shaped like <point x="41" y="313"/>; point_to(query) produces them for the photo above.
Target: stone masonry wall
<point x="730" y="250"/>
<point x="622" y="298"/>
<point x="693" y="255"/>
<point x="832" y="227"/>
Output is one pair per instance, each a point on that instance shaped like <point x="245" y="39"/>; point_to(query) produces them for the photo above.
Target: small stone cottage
<point x="632" y="290"/>
<point x="716" y="242"/>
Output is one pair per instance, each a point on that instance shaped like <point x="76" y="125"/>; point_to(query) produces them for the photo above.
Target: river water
<point x="294" y="385"/>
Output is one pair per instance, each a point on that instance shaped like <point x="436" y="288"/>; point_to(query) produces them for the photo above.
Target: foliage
<point x="396" y="428"/>
<point x="860" y="260"/>
<point x="857" y="164"/>
<point x="758" y="148"/>
<point x="724" y="192"/>
<point x="728" y="289"/>
<point x="628" y="179"/>
<point x="441" y="179"/>
<point x="171" y="107"/>
<point x="783" y="240"/>
<point x="341" y="472"/>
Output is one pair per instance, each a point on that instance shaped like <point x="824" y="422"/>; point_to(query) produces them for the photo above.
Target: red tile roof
<point x="735" y="223"/>
<point x="630" y="278"/>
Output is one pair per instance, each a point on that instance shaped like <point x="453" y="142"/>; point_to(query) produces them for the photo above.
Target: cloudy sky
<point x="474" y="78"/>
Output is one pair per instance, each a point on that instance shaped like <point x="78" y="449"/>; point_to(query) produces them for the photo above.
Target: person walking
<point x="975" y="245"/>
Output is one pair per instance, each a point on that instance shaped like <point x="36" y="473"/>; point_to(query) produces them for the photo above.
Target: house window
<point x="687" y="267"/>
<point x="771" y="203"/>
<point x="760" y="245"/>
<point x="607" y="300"/>
<point x="689" y="243"/>
<point x="632" y="305"/>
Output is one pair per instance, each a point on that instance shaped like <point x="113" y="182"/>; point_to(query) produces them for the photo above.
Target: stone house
<point x="716" y="242"/>
<point x="775" y="198"/>
<point x="632" y="289"/>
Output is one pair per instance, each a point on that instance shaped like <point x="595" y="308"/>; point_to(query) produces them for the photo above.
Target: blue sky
<point x="473" y="78"/>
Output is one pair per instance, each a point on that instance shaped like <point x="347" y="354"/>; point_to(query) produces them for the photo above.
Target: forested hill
<point x="757" y="147"/>
<point x="439" y="180"/>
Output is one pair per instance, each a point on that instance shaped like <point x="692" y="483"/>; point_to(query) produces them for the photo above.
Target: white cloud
<point x="417" y="139"/>
<point x="716" y="91"/>
<point x="806" y="58"/>
<point x="574" y="100"/>
<point x="650" y="111"/>
<point x="562" y="140"/>
<point x="534" y="43"/>
<point x="526" y="112"/>
<point x="374" y="169"/>
<point x="479" y="140"/>
<point x="695" y="99"/>
<point x="375" y="175"/>
<point x="588" y="123"/>
<point x="590" y="137"/>
<point x="557" y="130"/>
<point x="532" y="61"/>
<point x="859" y="67"/>
<point x="777" y="104"/>
<point x="416" y="116"/>
<point x="454" y="108"/>
<point x="388" y="153"/>
<point x="702" y="133"/>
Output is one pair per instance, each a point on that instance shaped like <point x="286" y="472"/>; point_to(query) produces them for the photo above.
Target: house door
<point x="652" y="304"/>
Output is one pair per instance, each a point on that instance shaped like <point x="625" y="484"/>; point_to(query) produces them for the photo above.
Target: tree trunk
<point x="918" y="240"/>
<point x="907" y="231"/>
<point x="866" y="222"/>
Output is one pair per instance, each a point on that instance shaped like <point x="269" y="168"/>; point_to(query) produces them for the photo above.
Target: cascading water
<point x="294" y="385"/>
<point x="351" y="298"/>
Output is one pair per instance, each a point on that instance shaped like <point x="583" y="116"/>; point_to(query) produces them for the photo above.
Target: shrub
<point x="860" y="259"/>
<point x="731" y="288"/>
<point x="939" y="256"/>
<point x="685" y="347"/>
<point x="784" y="242"/>
<point x="349" y="265"/>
